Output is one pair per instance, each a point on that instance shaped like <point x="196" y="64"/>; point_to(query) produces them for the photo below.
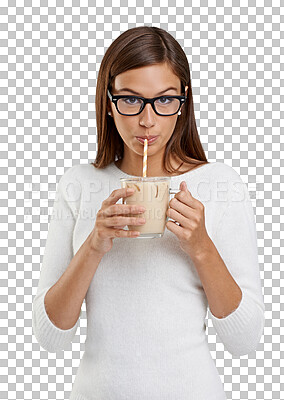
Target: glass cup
<point x="153" y="193"/>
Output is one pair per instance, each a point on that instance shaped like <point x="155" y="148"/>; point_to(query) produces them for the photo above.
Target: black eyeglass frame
<point x="114" y="99"/>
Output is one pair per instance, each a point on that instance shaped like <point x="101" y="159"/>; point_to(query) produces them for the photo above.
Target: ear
<point x="185" y="90"/>
<point x="108" y="106"/>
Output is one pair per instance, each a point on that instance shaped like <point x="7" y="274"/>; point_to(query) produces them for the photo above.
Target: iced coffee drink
<point x="153" y="193"/>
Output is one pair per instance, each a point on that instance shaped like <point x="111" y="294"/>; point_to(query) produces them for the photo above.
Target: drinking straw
<point x="145" y="158"/>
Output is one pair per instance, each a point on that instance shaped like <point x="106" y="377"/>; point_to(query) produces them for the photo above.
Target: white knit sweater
<point x="146" y="306"/>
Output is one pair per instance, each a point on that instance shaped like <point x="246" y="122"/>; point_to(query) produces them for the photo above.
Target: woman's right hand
<point x="110" y="221"/>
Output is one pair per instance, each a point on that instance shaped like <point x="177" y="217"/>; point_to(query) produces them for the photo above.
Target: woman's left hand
<point x="189" y="213"/>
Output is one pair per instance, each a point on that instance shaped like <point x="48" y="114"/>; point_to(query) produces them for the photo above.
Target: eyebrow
<point x="133" y="91"/>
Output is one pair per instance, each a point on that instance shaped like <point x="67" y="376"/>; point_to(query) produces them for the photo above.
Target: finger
<point x="185" y="197"/>
<point x="176" y="216"/>
<point x="122" y="209"/>
<point x="124" y="233"/>
<point x="118" y="194"/>
<point x="182" y="208"/>
<point x="173" y="227"/>
<point x="116" y="221"/>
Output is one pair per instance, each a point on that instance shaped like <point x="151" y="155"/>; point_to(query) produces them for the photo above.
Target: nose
<point x="147" y="116"/>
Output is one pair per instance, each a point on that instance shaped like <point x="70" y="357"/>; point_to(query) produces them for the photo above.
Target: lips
<point x="151" y="139"/>
<point x="146" y="137"/>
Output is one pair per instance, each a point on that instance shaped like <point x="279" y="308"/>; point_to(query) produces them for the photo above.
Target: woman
<point x="147" y="300"/>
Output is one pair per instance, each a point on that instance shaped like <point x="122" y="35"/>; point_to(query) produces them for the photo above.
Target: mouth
<point x="151" y="139"/>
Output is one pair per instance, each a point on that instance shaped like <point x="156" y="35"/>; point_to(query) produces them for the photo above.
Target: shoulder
<point x="223" y="173"/>
<point x="83" y="178"/>
<point x="81" y="173"/>
<point x="71" y="182"/>
<point x="215" y="170"/>
<point x="227" y="179"/>
<point x="222" y="170"/>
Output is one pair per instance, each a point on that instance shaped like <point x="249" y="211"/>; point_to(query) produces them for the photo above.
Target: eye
<point x="165" y="100"/>
<point x="130" y="100"/>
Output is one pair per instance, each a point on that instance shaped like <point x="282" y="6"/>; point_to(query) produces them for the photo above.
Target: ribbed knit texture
<point x="146" y="306"/>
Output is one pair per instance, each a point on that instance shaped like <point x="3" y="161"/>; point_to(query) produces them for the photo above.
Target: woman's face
<point x="150" y="81"/>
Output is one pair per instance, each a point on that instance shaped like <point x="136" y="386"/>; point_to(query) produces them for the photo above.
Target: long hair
<point x="134" y="48"/>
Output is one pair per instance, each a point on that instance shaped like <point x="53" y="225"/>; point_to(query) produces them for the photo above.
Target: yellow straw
<point x="145" y="158"/>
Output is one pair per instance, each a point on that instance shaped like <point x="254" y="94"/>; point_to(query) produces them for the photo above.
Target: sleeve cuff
<point x="241" y="319"/>
<point x="49" y="336"/>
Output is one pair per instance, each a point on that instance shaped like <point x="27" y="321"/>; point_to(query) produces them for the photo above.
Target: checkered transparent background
<point x="50" y="57"/>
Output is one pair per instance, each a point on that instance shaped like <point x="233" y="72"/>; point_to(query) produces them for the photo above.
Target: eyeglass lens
<point x="163" y="105"/>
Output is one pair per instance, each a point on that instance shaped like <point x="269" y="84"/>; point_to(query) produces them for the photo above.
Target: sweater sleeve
<point x="236" y="242"/>
<point x="57" y="256"/>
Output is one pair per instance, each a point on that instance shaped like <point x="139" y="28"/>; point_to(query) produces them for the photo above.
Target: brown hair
<point x="134" y="48"/>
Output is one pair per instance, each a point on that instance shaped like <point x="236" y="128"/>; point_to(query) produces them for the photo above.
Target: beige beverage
<point x="153" y="193"/>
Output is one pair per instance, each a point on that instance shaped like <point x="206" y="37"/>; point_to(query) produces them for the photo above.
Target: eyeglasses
<point x="134" y="105"/>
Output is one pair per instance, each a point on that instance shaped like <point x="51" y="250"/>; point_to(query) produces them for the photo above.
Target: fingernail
<point x="130" y="190"/>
